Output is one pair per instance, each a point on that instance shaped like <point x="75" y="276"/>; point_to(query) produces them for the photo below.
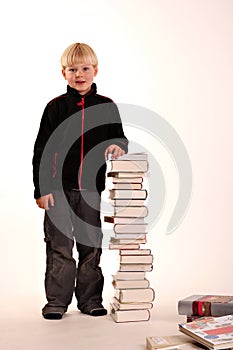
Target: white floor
<point x="23" y="328"/>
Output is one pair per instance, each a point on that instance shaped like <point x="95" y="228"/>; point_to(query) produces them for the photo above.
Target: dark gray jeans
<point x="75" y="217"/>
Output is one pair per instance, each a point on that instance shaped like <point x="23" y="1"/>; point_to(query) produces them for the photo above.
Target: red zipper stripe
<point x="82" y="146"/>
<point x="55" y="164"/>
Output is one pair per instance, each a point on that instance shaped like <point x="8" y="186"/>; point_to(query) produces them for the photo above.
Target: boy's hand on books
<point x="115" y="150"/>
<point x="45" y="202"/>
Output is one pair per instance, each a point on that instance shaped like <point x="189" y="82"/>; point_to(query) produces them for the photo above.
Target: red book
<point x="206" y="305"/>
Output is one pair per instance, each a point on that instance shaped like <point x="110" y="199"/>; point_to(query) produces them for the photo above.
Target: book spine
<point x="221" y="309"/>
<point x="204" y="308"/>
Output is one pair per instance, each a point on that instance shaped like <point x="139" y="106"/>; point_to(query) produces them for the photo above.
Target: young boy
<point x="77" y="131"/>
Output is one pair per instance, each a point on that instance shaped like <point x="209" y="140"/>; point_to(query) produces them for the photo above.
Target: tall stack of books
<point x="133" y="295"/>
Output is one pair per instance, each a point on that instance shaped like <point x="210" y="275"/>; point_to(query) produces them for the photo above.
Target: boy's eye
<point x="85" y="69"/>
<point x="74" y="70"/>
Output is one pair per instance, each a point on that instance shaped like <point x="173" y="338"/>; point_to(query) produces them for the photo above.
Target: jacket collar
<point x="73" y="92"/>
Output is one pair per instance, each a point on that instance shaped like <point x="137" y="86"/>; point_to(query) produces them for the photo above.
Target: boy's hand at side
<point x="45" y="202"/>
<point x="115" y="150"/>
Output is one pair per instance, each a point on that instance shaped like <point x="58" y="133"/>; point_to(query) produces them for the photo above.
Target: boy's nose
<point x="79" y="72"/>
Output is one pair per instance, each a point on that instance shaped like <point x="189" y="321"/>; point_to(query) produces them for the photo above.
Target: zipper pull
<point x="81" y="103"/>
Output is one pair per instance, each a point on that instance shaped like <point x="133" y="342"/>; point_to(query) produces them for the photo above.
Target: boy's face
<point x="80" y="77"/>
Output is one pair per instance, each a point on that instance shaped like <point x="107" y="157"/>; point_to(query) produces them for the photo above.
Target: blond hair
<point x="78" y="53"/>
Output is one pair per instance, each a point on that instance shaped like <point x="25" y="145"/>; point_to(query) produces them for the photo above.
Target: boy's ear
<point x="95" y="71"/>
<point x="63" y="73"/>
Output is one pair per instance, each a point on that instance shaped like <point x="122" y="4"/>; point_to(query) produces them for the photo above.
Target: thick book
<point x="131" y="306"/>
<point x="127" y="202"/>
<point x="123" y="246"/>
<point x="206" y="305"/>
<point x="136" y="259"/>
<point x="133" y="212"/>
<point x="122" y="275"/>
<point x="128" y="194"/>
<point x="172" y="342"/>
<point x="131" y="284"/>
<point x="135" y="295"/>
<point x="136" y="267"/>
<point x="132" y="228"/>
<point x="123" y="220"/>
<point x="129" y="315"/>
<point x="136" y="166"/>
<point x="213" y="332"/>
<point x="145" y="251"/>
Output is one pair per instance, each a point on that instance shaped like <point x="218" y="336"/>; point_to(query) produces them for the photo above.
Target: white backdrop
<point x="171" y="56"/>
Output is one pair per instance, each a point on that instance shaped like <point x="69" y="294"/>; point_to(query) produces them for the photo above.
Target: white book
<point x="136" y="267"/>
<point x="128" y="194"/>
<point x="127" y="202"/>
<point x="131" y="211"/>
<point x="134" y="166"/>
<point x="122" y="275"/>
<point x="131" y="306"/>
<point x="132" y="228"/>
<point x="135" y="252"/>
<point x="131" y="284"/>
<point x="126" y="180"/>
<point x="125" y="186"/>
<point x="129" y="315"/>
<point x="135" y="295"/>
<point x="123" y="220"/>
<point x="136" y="259"/>
<point x="123" y="246"/>
<point x="127" y="174"/>
<point x="129" y="235"/>
<point x="125" y="241"/>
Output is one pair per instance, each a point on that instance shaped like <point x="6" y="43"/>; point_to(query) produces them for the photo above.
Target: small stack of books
<point x="133" y="295"/>
<point x="202" y="330"/>
<point x="212" y="332"/>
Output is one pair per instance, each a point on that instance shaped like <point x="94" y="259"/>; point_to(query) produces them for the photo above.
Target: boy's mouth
<point x="80" y="82"/>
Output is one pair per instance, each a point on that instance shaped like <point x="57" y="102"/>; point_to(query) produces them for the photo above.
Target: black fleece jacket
<point x="74" y="132"/>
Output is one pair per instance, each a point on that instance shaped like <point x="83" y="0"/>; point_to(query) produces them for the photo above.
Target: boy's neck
<point x="82" y="93"/>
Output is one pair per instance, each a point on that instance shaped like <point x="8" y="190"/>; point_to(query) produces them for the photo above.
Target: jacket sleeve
<point x="116" y="133"/>
<point x="40" y="176"/>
